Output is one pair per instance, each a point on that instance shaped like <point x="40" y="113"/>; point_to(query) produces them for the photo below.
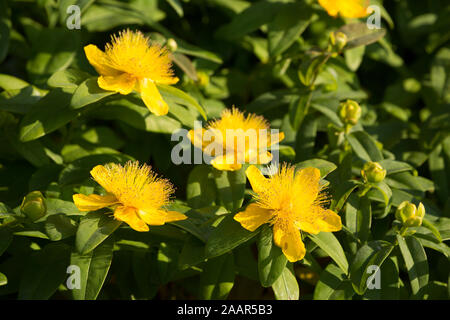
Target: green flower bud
<point x="409" y="214"/>
<point x="349" y="112"/>
<point x="203" y="79"/>
<point x="338" y="41"/>
<point x="373" y="172"/>
<point x="33" y="205"/>
<point x="172" y="44"/>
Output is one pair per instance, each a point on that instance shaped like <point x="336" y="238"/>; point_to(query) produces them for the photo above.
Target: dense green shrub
<point x="367" y="107"/>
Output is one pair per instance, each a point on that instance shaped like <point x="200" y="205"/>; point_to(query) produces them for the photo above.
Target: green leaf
<point x="69" y="78"/>
<point x="45" y="272"/>
<point x="59" y="226"/>
<point x="354" y="57"/>
<point x="288" y="25"/>
<point x="251" y="19"/>
<point x="94" y="267"/>
<point x="342" y="192"/>
<point x="358" y="217"/>
<point x="6" y="238"/>
<point x="392" y="166"/>
<point x="324" y="166"/>
<point x="286" y="286"/>
<point x="364" y="146"/>
<point x="171" y="93"/>
<point x="5" y="29"/>
<point x="271" y="260"/>
<point x="359" y="35"/>
<point x="333" y="285"/>
<point x="201" y="188"/>
<point x="3" y="280"/>
<point x="48" y="114"/>
<point x="94" y="228"/>
<point x="330" y="244"/>
<point x="217" y="278"/>
<point x="55" y="49"/>
<point x="416" y="262"/>
<point x="374" y="253"/>
<point x="389" y="283"/>
<point x="88" y="92"/>
<point x="226" y="236"/>
<point x="230" y="187"/>
<point x="176" y="5"/>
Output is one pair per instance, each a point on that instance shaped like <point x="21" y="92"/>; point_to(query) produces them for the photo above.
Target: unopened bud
<point x="349" y="112"/>
<point x="409" y="214"/>
<point x="373" y="172"/>
<point x="203" y="79"/>
<point x="172" y="44"/>
<point x="338" y="41"/>
<point x="33" y="205"/>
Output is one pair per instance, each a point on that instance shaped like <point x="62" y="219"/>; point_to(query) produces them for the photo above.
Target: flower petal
<point x="318" y="220"/>
<point x="257" y="180"/>
<point x="160" y="217"/>
<point x="288" y="238"/>
<point x="130" y="216"/>
<point x="123" y="83"/>
<point x="152" y="98"/>
<point x="332" y="6"/>
<point x="171" y="216"/>
<point x="307" y="185"/>
<point x="98" y="60"/>
<point x="168" y="80"/>
<point x="93" y="202"/>
<point x="101" y="175"/>
<point x="226" y="163"/>
<point x="253" y="217"/>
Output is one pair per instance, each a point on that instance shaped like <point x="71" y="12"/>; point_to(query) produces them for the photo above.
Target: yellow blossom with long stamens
<point x="291" y="202"/>
<point x="235" y="139"/>
<point x="346" y="8"/>
<point x="131" y="62"/>
<point x="135" y="193"/>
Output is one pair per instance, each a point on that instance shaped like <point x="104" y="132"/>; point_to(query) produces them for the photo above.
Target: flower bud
<point x="349" y="112"/>
<point x="203" y="79"/>
<point x="33" y="205"/>
<point x="172" y="44"/>
<point x="373" y="172"/>
<point x="338" y="41"/>
<point x="409" y="214"/>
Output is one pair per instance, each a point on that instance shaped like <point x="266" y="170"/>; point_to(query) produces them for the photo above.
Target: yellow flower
<point x="134" y="192"/>
<point x="290" y="201"/>
<point x="235" y="139"/>
<point x="346" y="8"/>
<point x="130" y="62"/>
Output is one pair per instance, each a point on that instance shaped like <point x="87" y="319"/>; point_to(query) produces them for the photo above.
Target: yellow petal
<point x="318" y="220"/>
<point x="307" y="185"/>
<point x="329" y="221"/>
<point x="168" y="80"/>
<point x="257" y="180"/>
<point x="98" y="60"/>
<point x="253" y="217"/>
<point x="160" y="217"/>
<point x="171" y="216"/>
<point x="123" y="83"/>
<point x="152" y="98"/>
<point x="275" y="138"/>
<point x="101" y="175"/>
<point x="332" y="6"/>
<point x="288" y="238"/>
<point x="226" y="163"/>
<point x="93" y="202"/>
<point x="130" y="216"/>
<point x="196" y="137"/>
